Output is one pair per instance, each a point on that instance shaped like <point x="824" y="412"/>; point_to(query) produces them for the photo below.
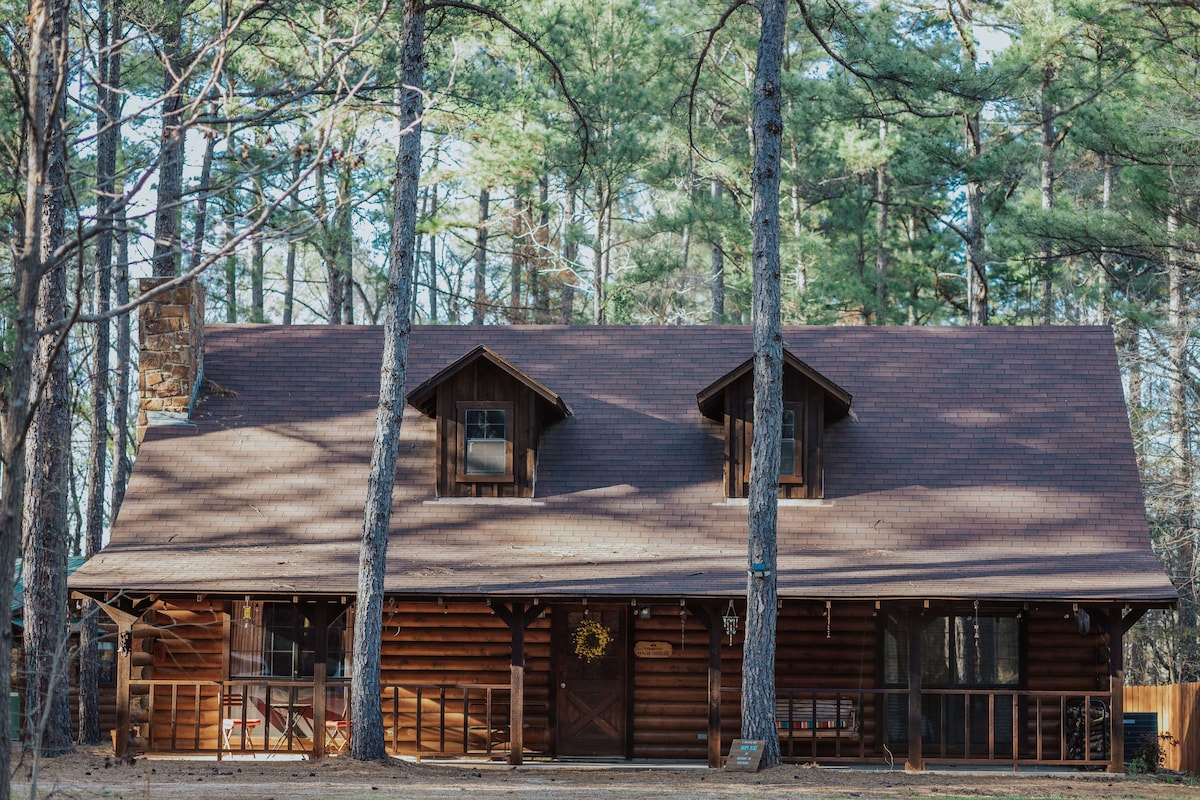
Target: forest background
<point x="1009" y="162"/>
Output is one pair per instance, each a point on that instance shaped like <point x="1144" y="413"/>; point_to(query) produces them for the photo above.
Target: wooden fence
<point x="1178" y="714"/>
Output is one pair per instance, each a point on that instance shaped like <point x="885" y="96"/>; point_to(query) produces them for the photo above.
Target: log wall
<point x="670" y="695"/>
<point x="457" y="644"/>
<point x="189" y="643"/>
<point x="1058" y="659"/>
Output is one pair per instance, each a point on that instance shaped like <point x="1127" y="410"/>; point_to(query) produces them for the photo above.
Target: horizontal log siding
<point x="806" y="659"/>
<point x="1058" y="659"/>
<point x="189" y="645"/>
<point x="837" y="653"/>
<point x="670" y="695"/>
<point x="453" y="645"/>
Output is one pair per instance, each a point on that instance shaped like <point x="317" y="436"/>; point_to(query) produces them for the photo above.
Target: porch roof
<point x="976" y="463"/>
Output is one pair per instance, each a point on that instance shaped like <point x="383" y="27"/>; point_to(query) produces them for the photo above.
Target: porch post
<point x="123" y="666"/>
<point x="709" y="616"/>
<point x="320" y="667"/>
<point x="1116" y="685"/>
<point x="125" y="618"/>
<point x="916" y="758"/>
<point x="714" y="692"/>
<point x="518" y="618"/>
<point x="516" y="697"/>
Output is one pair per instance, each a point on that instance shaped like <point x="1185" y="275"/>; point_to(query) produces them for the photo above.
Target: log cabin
<point x="962" y="542"/>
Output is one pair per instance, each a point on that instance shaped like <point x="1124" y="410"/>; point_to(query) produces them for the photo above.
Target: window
<point x="486" y="432"/>
<point x="791" y="444"/>
<point x="107" y="666"/>
<point x="485" y="442"/>
<point x="277" y="640"/>
<point x="958" y="651"/>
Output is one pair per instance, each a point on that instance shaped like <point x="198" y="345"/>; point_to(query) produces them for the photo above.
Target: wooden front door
<point x="592" y="685"/>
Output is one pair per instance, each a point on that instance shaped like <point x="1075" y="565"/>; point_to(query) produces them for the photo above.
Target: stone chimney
<point x="171" y="339"/>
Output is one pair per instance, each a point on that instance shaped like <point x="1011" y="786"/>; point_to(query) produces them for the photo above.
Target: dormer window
<point x="791" y="445"/>
<point x="810" y="401"/>
<point x="490" y="416"/>
<point x="485" y="444"/>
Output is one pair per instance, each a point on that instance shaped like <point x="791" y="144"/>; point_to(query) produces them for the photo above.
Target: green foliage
<point x="1150" y="753"/>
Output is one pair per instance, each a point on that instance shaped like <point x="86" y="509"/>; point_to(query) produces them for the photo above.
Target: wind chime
<point x="977" y="620"/>
<point x="730" y="619"/>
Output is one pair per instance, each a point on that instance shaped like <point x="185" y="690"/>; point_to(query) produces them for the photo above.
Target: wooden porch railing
<point x="447" y="719"/>
<point x="235" y="716"/>
<point x="964" y="725"/>
<point x="262" y="717"/>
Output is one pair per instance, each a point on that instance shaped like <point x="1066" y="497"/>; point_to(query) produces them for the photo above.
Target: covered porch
<point x="648" y="678"/>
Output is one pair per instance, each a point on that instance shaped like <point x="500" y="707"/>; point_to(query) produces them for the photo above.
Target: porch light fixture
<point x="730" y="620"/>
<point x="644" y="612"/>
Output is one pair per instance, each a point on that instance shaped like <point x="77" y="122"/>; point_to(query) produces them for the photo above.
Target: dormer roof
<point x="712" y="402"/>
<point x="424" y="397"/>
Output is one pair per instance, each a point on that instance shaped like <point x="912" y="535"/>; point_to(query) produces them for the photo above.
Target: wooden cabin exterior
<point x="962" y="543"/>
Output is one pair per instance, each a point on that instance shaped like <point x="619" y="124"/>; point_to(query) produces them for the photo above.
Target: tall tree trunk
<point x="516" y="272"/>
<point x="541" y="240"/>
<point x="345" y="233"/>
<point x="334" y="286"/>
<point x="570" y="252"/>
<point x="108" y="26"/>
<point x="883" y="201"/>
<point x="1047" y="112"/>
<point x="43" y="106"/>
<point x="170" y="165"/>
<point x="367" y="744"/>
<point x="685" y="237"/>
<point x="479" y="306"/>
<point x="798" y="220"/>
<point x="289" y="268"/>
<point x="962" y="12"/>
<point x="600" y="268"/>
<point x="122" y="463"/>
<point x="231" y="266"/>
<point x="716" y="273"/>
<point x="1105" y="300"/>
<point x="1178" y="334"/>
<point x="433" y="271"/>
<point x="258" y="256"/>
<point x="758" y="655"/>
<point x="44" y="551"/>
<point x="202" y="190"/>
<point x="258" y="263"/>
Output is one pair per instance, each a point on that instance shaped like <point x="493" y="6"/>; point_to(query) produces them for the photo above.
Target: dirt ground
<point x="94" y="774"/>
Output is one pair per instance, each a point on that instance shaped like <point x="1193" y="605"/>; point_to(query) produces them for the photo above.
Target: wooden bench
<point x="805" y="717"/>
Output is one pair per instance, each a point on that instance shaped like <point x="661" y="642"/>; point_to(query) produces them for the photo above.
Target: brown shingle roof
<point x="976" y="463"/>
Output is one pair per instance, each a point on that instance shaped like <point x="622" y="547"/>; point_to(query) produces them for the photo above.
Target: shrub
<point x="1150" y="753"/>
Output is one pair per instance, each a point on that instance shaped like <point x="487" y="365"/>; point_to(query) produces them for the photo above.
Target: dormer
<point x="490" y="417"/>
<point x="810" y="402"/>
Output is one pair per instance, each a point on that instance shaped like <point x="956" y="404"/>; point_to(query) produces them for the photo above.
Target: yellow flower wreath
<point x="591" y="639"/>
